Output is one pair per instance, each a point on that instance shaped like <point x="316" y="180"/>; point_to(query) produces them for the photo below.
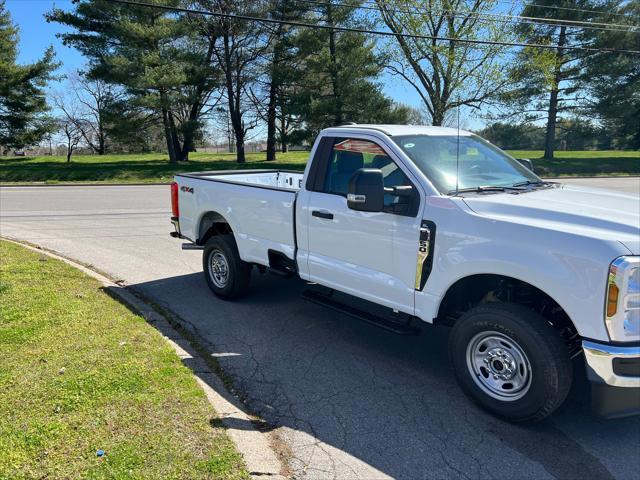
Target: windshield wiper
<point x="535" y="182"/>
<point x="487" y="188"/>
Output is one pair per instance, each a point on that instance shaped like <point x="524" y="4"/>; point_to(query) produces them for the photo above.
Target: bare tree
<point x="72" y="135"/>
<point x="85" y="103"/>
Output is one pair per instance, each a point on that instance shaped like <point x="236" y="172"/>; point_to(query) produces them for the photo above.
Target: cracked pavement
<point x="349" y="400"/>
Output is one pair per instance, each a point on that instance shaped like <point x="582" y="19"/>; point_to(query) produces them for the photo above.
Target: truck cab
<point x="411" y="225"/>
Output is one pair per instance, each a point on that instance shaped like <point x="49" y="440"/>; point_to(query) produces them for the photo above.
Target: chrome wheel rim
<point x="218" y="269"/>
<point x="499" y="366"/>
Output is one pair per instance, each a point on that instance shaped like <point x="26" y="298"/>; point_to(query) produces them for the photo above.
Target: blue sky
<point x="36" y="35"/>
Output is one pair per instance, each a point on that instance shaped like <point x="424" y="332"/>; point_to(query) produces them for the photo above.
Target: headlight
<point x="622" y="308"/>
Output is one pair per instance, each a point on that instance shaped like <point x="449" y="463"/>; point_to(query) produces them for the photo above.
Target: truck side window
<point x="350" y="154"/>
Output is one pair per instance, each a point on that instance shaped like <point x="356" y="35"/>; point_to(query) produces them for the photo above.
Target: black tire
<point x="495" y="327"/>
<point x="238" y="272"/>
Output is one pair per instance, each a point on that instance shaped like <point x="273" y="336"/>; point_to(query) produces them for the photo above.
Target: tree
<point x="613" y="79"/>
<point x="22" y="90"/>
<point x="514" y="136"/>
<point x="88" y="104"/>
<point x="154" y="55"/>
<point x="446" y="74"/>
<point x="236" y="46"/>
<point x="279" y="59"/>
<point x="71" y="133"/>
<point x="547" y="81"/>
<point x="333" y="79"/>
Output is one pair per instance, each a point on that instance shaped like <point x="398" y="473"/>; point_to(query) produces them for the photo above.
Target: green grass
<point x="154" y="167"/>
<point x="584" y="163"/>
<point x="142" y="168"/>
<point x="80" y="372"/>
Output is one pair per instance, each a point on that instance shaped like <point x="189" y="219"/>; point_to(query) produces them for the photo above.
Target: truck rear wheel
<point x="226" y="274"/>
<point x="510" y="361"/>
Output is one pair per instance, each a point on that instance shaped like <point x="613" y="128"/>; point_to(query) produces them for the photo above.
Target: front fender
<point x="570" y="268"/>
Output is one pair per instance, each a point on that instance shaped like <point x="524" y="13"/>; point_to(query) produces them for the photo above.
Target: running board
<point x="397" y="327"/>
<point x="192" y="246"/>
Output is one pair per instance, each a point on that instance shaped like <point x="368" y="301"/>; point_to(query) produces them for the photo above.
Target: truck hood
<point x="596" y="213"/>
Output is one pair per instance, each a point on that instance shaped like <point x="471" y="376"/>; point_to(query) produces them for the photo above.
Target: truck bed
<point x="258" y="205"/>
<point x="277" y="179"/>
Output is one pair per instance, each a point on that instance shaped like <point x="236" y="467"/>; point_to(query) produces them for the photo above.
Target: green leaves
<point x="153" y="54"/>
<point x="22" y="96"/>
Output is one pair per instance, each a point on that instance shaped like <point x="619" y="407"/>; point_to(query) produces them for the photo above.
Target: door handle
<point x="321" y="214"/>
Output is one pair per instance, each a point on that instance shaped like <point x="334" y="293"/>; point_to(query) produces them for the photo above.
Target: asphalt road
<point x="351" y="401"/>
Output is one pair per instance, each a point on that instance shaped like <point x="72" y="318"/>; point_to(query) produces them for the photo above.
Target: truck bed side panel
<point x="261" y="217"/>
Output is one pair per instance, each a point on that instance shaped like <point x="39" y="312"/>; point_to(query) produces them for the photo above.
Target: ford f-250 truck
<point x="399" y="225"/>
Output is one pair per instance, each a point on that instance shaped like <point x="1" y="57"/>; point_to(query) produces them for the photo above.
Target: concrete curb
<point x="255" y="446"/>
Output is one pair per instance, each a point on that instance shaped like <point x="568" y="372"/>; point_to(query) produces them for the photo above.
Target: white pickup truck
<point x="399" y="225"/>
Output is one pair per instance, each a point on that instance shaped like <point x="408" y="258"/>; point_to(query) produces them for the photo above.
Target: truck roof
<point x="396" y="130"/>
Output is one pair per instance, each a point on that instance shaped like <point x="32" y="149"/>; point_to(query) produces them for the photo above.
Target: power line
<point x="568" y="9"/>
<point x="555" y="21"/>
<point x="364" y="30"/>
<point x="485" y="17"/>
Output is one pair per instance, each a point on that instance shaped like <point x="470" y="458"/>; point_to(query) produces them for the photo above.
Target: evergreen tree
<point x="548" y="82"/>
<point x="155" y="55"/>
<point x="22" y="90"/>
<point x="334" y="79"/>
<point x="613" y="79"/>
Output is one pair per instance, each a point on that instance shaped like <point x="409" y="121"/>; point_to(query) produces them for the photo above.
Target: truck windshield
<point x="480" y="164"/>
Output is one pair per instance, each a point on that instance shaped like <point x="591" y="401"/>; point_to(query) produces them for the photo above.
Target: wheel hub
<point x="499" y="366"/>
<point x="218" y="269"/>
<point x="501" y="363"/>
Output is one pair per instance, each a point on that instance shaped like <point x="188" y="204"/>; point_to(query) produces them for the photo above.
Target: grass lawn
<point x="79" y="372"/>
<point x="153" y="167"/>
<point x="583" y="163"/>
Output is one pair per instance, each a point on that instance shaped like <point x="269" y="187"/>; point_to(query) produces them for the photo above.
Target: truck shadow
<point x="384" y="404"/>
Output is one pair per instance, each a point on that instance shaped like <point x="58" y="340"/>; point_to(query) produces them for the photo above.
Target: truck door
<point x="371" y="255"/>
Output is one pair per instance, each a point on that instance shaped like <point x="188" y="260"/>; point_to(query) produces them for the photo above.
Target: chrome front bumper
<point x="615" y="375"/>
<point x="600" y="359"/>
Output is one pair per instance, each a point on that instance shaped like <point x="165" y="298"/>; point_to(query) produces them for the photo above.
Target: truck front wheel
<point x="510" y="361"/>
<point x="226" y="274"/>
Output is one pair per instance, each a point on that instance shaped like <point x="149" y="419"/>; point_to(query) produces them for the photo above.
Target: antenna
<point x="458" y="145"/>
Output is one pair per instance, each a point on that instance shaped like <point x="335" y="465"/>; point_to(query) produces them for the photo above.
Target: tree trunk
<point x="284" y="138"/>
<point x="174" y="138"/>
<point x="101" y="138"/>
<point x="550" y="134"/>
<point x="167" y="135"/>
<point x="271" y="120"/>
<point x="438" y="116"/>
<point x="235" y="105"/>
<point x="274" y="88"/>
<point x="333" y="70"/>
<point x="240" y="150"/>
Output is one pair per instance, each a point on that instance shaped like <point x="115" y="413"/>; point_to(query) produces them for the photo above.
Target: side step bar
<point x="192" y="246"/>
<point x="395" y="326"/>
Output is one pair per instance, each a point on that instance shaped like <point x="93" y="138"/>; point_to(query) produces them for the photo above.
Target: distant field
<point x="584" y="163"/>
<point x="154" y="167"/>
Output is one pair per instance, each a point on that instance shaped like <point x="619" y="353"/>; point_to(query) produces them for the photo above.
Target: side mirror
<point x="527" y="163"/>
<point x="366" y="190"/>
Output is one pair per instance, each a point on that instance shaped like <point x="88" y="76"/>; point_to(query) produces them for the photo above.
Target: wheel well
<point x="212" y="223"/>
<point x="475" y="290"/>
